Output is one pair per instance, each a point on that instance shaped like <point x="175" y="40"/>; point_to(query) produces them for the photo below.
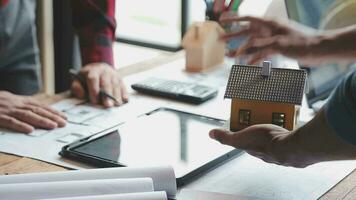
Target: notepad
<point x="140" y="183"/>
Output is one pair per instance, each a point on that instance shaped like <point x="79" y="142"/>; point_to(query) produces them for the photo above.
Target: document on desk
<point x="83" y="120"/>
<point x="250" y="176"/>
<point x="187" y="194"/>
<point x="44" y="190"/>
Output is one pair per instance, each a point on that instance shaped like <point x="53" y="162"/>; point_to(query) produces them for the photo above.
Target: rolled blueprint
<point x="45" y="190"/>
<point x="127" y="196"/>
<point x="163" y="177"/>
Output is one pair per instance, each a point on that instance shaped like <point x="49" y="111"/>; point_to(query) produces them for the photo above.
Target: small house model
<point x="203" y="47"/>
<point x="265" y="95"/>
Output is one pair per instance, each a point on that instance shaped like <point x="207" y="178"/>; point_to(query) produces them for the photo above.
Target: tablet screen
<point x="161" y="137"/>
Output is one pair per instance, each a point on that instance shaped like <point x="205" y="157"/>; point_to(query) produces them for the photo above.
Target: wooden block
<point x="204" y="49"/>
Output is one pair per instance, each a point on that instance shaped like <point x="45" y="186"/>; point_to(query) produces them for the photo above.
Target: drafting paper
<point x="250" y="176"/>
<point x="45" y="144"/>
<point x="43" y="190"/>
<point x="127" y="196"/>
<point x="187" y="194"/>
<point x="163" y="177"/>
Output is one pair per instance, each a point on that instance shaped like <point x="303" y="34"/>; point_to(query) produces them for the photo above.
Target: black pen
<point x="75" y="75"/>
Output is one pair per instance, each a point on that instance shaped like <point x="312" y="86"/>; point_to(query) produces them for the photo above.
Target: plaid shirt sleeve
<point x="94" y="22"/>
<point x="3" y="3"/>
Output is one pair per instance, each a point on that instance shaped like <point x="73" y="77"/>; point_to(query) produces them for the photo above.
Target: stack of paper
<point x="150" y="183"/>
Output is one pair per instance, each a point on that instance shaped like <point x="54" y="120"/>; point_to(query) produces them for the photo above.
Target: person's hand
<point x="312" y="143"/>
<point x="24" y="114"/>
<point x="267" y="37"/>
<point x="100" y="76"/>
<point x="266" y="141"/>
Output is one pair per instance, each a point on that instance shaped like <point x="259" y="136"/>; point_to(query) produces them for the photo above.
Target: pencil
<point x="102" y="94"/>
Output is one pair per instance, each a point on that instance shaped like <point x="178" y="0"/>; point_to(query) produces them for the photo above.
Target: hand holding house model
<point x="265" y="95"/>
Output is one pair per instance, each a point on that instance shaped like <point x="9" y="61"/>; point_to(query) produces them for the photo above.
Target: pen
<point x="236" y="5"/>
<point x="75" y="75"/>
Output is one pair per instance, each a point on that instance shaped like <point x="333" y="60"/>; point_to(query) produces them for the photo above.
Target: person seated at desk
<point x="95" y="25"/>
<point x="331" y="134"/>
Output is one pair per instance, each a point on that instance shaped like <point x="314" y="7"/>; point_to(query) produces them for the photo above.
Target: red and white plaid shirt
<point x="94" y="22"/>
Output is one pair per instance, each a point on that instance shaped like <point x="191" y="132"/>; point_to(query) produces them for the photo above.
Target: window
<point x="279" y="119"/>
<point x="244" y="117"/>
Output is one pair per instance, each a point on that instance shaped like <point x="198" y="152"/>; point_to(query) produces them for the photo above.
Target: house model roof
<point x="282" y="85"/>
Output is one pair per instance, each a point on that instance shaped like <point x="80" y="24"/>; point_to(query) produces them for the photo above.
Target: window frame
<point x="279" y="119"/>
<point x="249" y="117"/>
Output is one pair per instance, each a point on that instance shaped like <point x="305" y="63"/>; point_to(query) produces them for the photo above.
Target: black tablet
<point x="161" y="137"/>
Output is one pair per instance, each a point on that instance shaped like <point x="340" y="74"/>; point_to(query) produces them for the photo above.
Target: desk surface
<point x="11" y="164"/>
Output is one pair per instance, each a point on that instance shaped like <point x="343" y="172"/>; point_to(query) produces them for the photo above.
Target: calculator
<point x="181" y="91"/>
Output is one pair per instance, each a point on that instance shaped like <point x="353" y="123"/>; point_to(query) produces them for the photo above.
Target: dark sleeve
<point x="94" y="22"/>
<point x="340" y="110"/>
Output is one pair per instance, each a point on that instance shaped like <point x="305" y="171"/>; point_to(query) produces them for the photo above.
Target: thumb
<point x="223" y="136"/>
<point x="77" y="89"/>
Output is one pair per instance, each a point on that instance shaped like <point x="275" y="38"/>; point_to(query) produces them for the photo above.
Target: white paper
<point x="74" y="188"/>
<point x="163" y="177"/>
<point x="46" y="144"/>
<point x="67" y="104"/>
<point x="128" y="196"/>
<point x="187" y="194"/>
<point x="250" y="176"/>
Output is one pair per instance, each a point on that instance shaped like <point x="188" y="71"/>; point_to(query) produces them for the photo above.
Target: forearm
<point x="94" y="22"/>
<point x="316" y="142"/>
<point x="337" y="45"/>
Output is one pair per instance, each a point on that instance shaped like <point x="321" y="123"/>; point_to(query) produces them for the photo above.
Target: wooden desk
<point x="12" y="164"/>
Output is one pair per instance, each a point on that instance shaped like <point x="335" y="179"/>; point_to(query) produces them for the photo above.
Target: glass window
<point x="279" y="119"/>
<point x="244" y="117"/>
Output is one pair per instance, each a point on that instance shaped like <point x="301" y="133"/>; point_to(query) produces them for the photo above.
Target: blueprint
<point x="83" y="120"/>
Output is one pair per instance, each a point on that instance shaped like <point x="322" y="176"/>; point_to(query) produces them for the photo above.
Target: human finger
<point x="226" y="20"/>
<point x="33" y="119"/>
<point x="34" y="102"/>
<point x="223" y="136"/>
<point x="259" y="49"/>
<point x="251" y="138"/>
<point x="93" y="82"/>
<point x="239" y="51"/>
<point x="117" y="91"/>
<point x="232" y="139"/>
<point x="14" y="124"/>
<point x="107" y="87"/>
<point x="77" y="89"/>
<point x="47" y="114"/>
<point x="124" y="93"/>
<point x="242" y="32"/>
<point x="259" y="57"/>
<point x="54" y="111"/>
